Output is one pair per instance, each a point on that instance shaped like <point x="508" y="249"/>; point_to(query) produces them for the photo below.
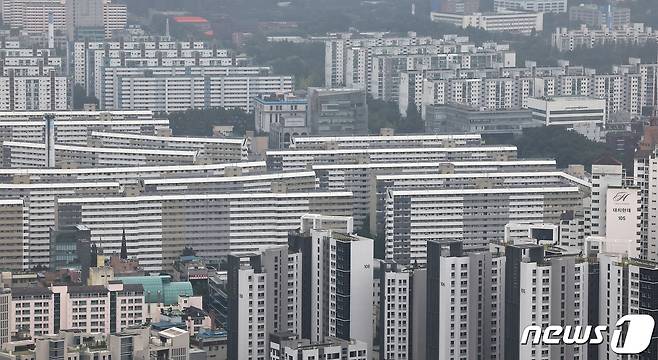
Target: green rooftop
<point x="160" y="289"/>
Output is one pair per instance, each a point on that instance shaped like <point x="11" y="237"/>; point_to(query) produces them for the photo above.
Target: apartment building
<point x="266" y="292"/>
<point x="542" y="6"/>
<point x="402" y="312"/>
<point x="382" y="184"/>
<point x="627" y="89"/>
<point x="74" y="127"/>
<point x="213" y="224"/>
<point x="89" y="57"/>
<point x="343" y="276"/>
<point x="275" y="182"/>
<point x="289" y="346"/>
<point x="383" y="141"/>
<point x="477" y="216"/>
<point x="373" y="61"/>
<point x="564" y="39"/>
<point x="30" y="155"/>
<point x="129" y="175"/>
<point x="289" y="160"/>
<point x="14" y="237"/>
<point x="465" y="321"/>
<point x="211" y="150"/>
<point x="170" y="89"/>
<point x="36" y="92"/>
<point x="39" y="213"/>
<point x="503" y="20"/>
<point x="544" y="287"/>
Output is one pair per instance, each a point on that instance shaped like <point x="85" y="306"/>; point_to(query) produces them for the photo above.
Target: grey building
<point x="84" y="19"/>
<point x="70" y="247"/>
<point x="337" y="111"/>
<point x="460" y="119"/>
<point x="597" y="15"/>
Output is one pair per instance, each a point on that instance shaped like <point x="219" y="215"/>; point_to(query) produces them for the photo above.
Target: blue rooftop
<point x="160" y="289"/>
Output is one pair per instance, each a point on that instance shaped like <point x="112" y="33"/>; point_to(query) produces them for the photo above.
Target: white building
<point x="288" y="346"/>
<point x="282" y="108"/>
<point x="383" y="141"/>
<point x="344" y="277"/>
<point x="288" y="160"/>
<point x="548" y="287"/>
<point x="265" y="297"/>
<point x="164" y="90"/>
<point x="466" y="303"/>
<point x="45" y="92"/>
<point x="542" y="6"/>
<point x="581" y="114"/>
<point x="503" y="20"/>
<point x="569" y="40"/>
<point x="39" y="208"/>
<point x="213" y="224"/>
<point x="129" y="175"/>
<point x="211" y="150"/>
<point x="474" y="216"/>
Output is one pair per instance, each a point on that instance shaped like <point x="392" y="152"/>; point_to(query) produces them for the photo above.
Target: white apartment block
<point x="38" y="311"/>
<point x="176" y="92"/>
<point x="15" y="235"/>
<point x="280" y="305"/>
<point x="247" y="291"/>
<point x="90" y="57"/>
<point x="273" y="182"/>
<point x="343" y="276"/>
<point x="115" y="18"/>
<point x="401" y="310"/>
<point x="474" y="216"/>
<point x="574" y="228"/>
<point x="625" y="287"/>
<point x="645" y="178"/>
<point x="31" y="311"/>
<point x="464" y="320"/>
<point x="374" y="61"/>
<point x="30" y="93"/>
<point x="129" y="175"/>
<point x="27" y="155"/>
<point x="382" y="184"/>
<point x="568" y="40"/>
<point x="34" y="16"/>
<point x="553" y="290"/>
<point x="289" y="160"/>
<point x="89" y="308"/>
<point x="383" y="141"/>
<point x="503" y="21"/>
<point x="360" y="178"/>
<point x="543" y="6"/>
<point x="157" y="228"/>
<point x="211" y="150"/>
<point x="604" y="174"/>
<point x="74" y="127"/>
<point x="290" y="347"/>
<point x="39" y="212"/>
<point x="627" y="89"/>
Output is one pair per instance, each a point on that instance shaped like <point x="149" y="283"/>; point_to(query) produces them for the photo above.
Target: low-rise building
<point x="504" y="21"/>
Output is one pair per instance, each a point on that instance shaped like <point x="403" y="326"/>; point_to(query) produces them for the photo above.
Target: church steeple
<point x="124" y="246"/>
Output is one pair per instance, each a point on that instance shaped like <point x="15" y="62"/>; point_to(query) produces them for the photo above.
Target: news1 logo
<point x="638" y="329"/>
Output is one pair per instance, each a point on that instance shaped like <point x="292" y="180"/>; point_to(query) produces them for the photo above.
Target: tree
<point x="195" y="122"/>
<point x="413" y="123"/>
<point x="80" y="98"/>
